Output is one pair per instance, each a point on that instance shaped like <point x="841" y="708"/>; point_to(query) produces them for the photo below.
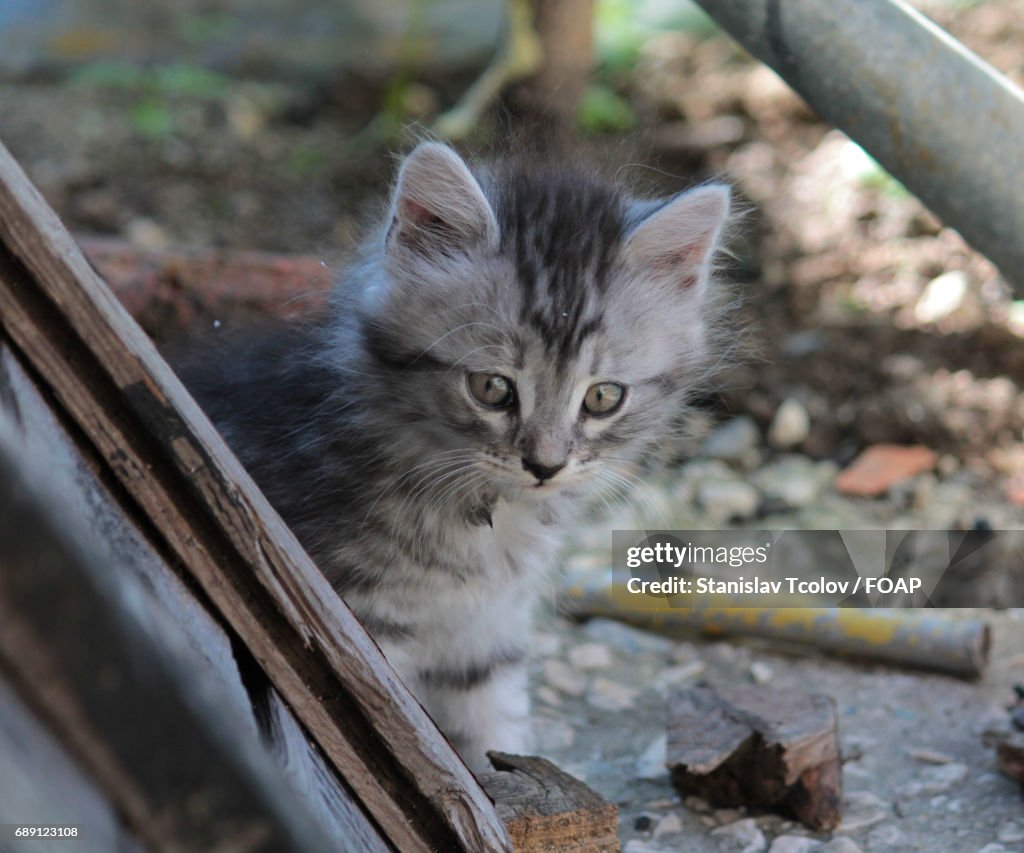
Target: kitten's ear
<point x="677" y="240"/>
<point x="438" y="205"/>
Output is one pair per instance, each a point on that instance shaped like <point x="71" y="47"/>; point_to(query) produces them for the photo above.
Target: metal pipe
<point x="907" y="638"/>
<point x="940" y="119"/>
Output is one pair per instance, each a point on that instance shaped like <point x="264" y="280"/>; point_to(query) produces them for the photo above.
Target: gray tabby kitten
<point x="510" y="342"/>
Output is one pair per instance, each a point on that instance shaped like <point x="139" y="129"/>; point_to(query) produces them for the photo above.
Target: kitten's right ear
<point x="438" y="205"/>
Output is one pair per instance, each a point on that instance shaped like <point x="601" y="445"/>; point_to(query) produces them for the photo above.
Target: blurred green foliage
<point x="603" y="110"/>
<point x="621" y="27"/>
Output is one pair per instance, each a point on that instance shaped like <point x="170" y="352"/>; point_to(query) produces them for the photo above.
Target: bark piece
<point x="753" y="746"/>
<point x="545" y="809"/>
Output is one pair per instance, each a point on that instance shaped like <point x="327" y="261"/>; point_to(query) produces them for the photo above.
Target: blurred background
<point x="274" y="126"/>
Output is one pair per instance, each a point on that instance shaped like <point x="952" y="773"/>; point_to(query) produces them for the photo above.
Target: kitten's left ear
<point x="438" y="205"/>
<point x="677" y="241"/>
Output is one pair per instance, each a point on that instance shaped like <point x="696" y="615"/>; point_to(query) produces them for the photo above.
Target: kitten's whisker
<point x="452" y="332"/>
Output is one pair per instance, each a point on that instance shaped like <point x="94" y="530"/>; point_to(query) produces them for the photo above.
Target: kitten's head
<point x="544" y="324"/>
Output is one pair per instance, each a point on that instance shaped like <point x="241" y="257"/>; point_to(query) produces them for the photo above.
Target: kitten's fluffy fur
<point x="412" y="496"/>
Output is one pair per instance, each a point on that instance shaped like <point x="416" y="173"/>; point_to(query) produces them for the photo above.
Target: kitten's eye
<point x="491" y="389"/>
<point x="603" y="398"/>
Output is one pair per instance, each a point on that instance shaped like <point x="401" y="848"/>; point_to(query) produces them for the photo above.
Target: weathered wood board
<point x="218" y="528"/>
<point x="546" y="809"/>
<point x="755" y="746"/>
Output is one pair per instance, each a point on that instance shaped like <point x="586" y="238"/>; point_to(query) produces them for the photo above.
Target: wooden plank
<point x="41" y="784"/>
<point x="546" y="809"/>
<point x="34" y="432"/>
<point x="754" y="746"/>
<point x="146" y="722"/>
<point x="112" y="382"/>
<point x="309" y="775"/>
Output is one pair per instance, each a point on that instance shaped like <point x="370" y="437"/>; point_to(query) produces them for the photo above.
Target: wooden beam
<point x="755" y="746"/>
<point x="109" y="378"/>
<point x="174" y="617"/>
<point x="546" y="809"/>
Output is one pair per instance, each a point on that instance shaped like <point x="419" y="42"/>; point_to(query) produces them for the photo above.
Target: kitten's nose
<point x="541" y="472"/>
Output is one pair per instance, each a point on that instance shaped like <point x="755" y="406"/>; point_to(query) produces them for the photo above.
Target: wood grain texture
<point x="110" y="379"/>
<point x="546" y="809"/>
<point x="755" y="746"/>
<point x="174" y="619"/>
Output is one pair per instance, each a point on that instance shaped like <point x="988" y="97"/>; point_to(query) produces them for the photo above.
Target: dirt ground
<point x="854" y="304"/>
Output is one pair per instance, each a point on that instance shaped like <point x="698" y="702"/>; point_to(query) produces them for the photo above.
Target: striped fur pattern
<point x="423" y="506"/>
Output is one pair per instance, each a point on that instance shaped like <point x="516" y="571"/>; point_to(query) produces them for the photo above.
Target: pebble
<point x="1011" y="833"/>
<point x="790" y="426"/>
<point x="745" y="835"/>
<point x="794" y="844"/>
<point x="611" y="696"/>
<point x="930" y="756"/>
<point x="671" y="676"/>
<point x="638" y="846"/>
<point x="728" y="500"/>
<point x="794" y="481"/>
<point x="993" y="848"/>
<point x="564" y="678"/>
<point x="761" y="672"/>
<point x="734" y="441"/>
<point x="696" y="804"/>
<point x="937" y="779"/>
<point x="863" y="809"/>
<point x="548" y="696"/>
<point x="668" y="825"/>
<point x="941" y="297"/>
<point x="651" y="762"/>
<point x="840" y="844"/>
<point x="591" y="656"/>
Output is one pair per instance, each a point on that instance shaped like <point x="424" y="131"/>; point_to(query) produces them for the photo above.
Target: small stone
<point x="862" y="809"/>
<point x="745" y="835"/>
<point x="794" y="844"/>
<point x="840" y="844"/>
<point x="937" y="779"/>
<point x="1011" y="833"/>
<point x="993" y="848"/>
<point x="668" y="825"/>
<point x="790" y="426"/>
<point x="651" y="762"/>
<point x="887" y="837"/>
<point x="941" y="297"/>
<point x="548" y="696"/>
<point x="930" y="756"/>
<point x="761" y="672"/>
<point x="643" y="823"/>
<point x="590" y="656"/>
<point x="733" y="441"/>
<point x="726" y="815"/>
<point x="564" y="678"/>
<point x="611" y="696"/>
<point x="882" y="466"/>
<point x="638" y="846"/>
<point x="728" y="500"/>
<point x="672" y="676"/>
<point x="793" y="481"/>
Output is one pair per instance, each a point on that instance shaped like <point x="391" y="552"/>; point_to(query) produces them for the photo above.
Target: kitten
<point x="510" y="342"/>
